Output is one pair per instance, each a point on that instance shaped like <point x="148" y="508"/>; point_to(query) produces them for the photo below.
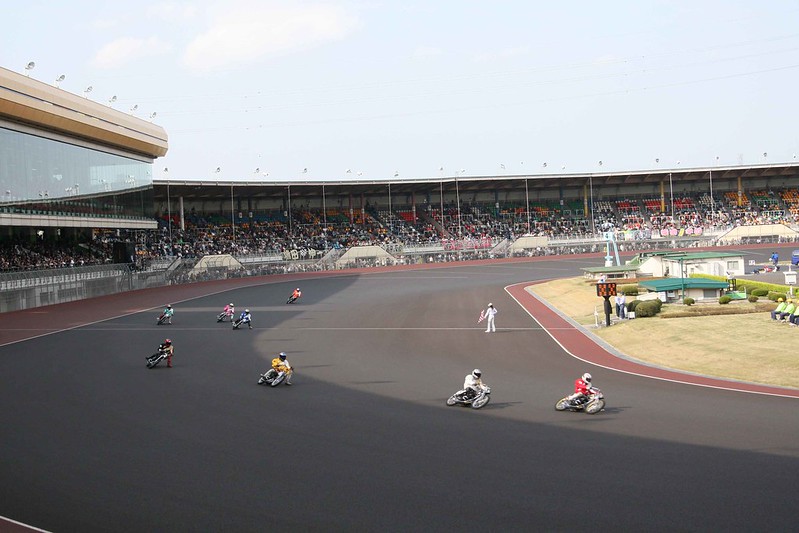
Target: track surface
<point x="91" y="440"/>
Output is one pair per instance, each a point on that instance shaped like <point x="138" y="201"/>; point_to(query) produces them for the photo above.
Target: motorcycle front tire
<point x="452" y="400"/>
<point x="481" y="401"/>
<point x="278" y="379"/>
<point x="594" y="407"/>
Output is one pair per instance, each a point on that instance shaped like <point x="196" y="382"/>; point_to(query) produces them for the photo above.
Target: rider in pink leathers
<point x="229" y="311"/>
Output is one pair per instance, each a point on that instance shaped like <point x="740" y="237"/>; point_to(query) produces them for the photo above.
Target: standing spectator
<point x="621" y="304"/>
<point x="490" y="314"/>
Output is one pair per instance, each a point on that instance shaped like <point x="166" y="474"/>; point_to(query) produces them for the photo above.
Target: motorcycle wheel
<point x="481" y="401"/>
<point x="278" y="379"/>
<point x="452" y="400"/>
<point x="562" y="404"/>
<point x="594" y="407"/>
<point x="261" y="380"/>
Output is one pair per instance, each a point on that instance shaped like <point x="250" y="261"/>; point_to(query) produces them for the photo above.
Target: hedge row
<point x="749" y="285"/>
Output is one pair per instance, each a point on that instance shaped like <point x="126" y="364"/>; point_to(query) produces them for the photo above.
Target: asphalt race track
<point x="91" y="440"/>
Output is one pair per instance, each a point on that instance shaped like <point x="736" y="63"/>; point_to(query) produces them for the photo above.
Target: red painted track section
<point x="581" y="345"/>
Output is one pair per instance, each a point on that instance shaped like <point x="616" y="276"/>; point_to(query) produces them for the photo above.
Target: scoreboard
<point x="606" y="289"/>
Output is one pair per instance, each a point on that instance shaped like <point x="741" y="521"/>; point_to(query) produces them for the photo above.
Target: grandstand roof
<point x="218" y="190"/>
<point x="27" y="101"/>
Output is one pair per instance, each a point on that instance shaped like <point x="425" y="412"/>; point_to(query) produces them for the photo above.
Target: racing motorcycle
<point x="591" y="404"/>
<point x="153" y="360"/>
<point x="239" y="321"/>
<point x="162" y="319"/>
<point x="273" y="378"/>
<point x="292" y="299"/>
<point x="222" y="316"/>
<point x="468" y="397"/>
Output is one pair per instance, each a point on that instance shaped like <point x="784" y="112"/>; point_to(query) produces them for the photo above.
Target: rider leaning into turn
<point x="229" y="310"/>
<point x="167" y="348"/>
<point x="582" y="387"/>
<point x="296" y="294"/>
<point x="472" y="383"/>
<point x="168" y="312"/>
<point x="246" y="318"/>
<point x="281" y="364"/>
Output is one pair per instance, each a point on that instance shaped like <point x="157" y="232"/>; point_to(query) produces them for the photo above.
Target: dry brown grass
<point x="746" y="345"/>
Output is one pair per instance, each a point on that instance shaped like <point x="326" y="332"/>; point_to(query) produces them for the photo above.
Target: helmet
<point x="282" y="356"/>
<point x="477" y="373"/>
<point x="586" y="377"/>
<point x="297" y="289"/>
<point x="490" y="304"/>
<point x="169" y="306"/>
<point x="246" y="310"/>
<point x="779" y="299"/>
<point x="231" y="304"/>
<point x="168" y="342"/>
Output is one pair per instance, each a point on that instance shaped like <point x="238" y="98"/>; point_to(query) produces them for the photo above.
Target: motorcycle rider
<point x="167" y="348"/>
<point x="582" y="388"/>
<point x="168" y="312"/>
<point x="245" y="318"/>
<point x="473" y="384"/>
<point x="229" y="311"/>
<point x="295" y="295"/>
<point x="280" y="364"/>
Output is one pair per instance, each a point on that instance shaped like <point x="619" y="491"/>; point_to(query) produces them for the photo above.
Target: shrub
<point x="628" y="290"/>
<point x="632" y="305"/>
<point x="725" y="299"/>
<point x="774" y="296"/>
<point x="752" y="298"/>
<point x="759" y="292"/>
<point x="647" y="308"/>
<point x="688" y="301"/>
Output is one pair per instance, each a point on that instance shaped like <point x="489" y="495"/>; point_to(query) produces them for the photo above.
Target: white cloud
<point x="505" y="53"/>
<point x="126" y="49"/>
<point x="427" y="51"/>
<point x="172" y="11"/>
<point x="248" y="32"/>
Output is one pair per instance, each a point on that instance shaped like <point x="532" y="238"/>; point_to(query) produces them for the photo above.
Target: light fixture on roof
<point x="59" y="79"/>
<point x="218" y="170"/>
<point x="544" y="165"/>
<point x="396" y="173"/>
<point x="112" y="100"/>
<point x="134" y="108"/>
<point x="30" y="66"/>
<point x="166" y="170"/>
<point x="87" y="90"/>
<point x="152" y="115"/>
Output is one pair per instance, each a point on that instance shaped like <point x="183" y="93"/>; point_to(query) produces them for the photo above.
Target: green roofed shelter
<point x="672" y="289"/>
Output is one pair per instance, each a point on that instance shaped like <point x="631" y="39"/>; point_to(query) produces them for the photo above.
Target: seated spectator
<point x="780" y="306"/>
<point x="787" y="310"/>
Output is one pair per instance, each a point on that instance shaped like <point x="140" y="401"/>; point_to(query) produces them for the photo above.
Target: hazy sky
<point x="409" y="87"/>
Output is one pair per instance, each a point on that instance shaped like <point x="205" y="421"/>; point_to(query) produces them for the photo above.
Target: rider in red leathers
<point x="582" y="387"/>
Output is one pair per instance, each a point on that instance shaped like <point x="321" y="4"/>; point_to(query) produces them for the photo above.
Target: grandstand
<point x="77" y="190"/>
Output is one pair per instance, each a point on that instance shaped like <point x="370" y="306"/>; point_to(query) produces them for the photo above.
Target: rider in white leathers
<point x="473" y="384"/>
